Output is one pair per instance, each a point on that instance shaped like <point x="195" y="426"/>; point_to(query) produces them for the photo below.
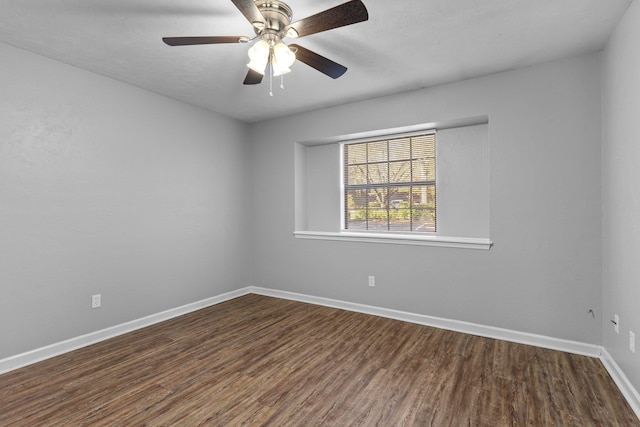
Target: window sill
<point x="398" y="239"/>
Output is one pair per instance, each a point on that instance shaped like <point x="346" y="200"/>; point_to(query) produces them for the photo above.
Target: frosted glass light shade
<point x="283" y="58"/>
<point x="278" y="71"/>
<point x="283" y="55"/>
<point x="259" y="56"/>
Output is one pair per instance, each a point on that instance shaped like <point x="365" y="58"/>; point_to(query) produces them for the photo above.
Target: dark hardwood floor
<point x="257" y="360"/>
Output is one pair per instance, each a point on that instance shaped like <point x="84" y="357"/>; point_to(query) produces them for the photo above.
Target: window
<point x="390" y="184"/>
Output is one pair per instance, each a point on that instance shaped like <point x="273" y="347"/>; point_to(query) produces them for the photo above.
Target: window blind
<point x="390" y="184"/>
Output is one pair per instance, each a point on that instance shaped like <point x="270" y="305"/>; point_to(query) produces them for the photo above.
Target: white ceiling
<point x="405" y="44"/>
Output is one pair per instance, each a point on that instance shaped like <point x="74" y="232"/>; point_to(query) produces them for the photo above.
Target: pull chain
<point x="282" y="81"/>
<point x="270" y="79"/>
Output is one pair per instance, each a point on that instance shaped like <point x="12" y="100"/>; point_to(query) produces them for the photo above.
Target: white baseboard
<point x="39" y="354"/>
<point x="621" y="380"/>
<point x="592" y="350"/>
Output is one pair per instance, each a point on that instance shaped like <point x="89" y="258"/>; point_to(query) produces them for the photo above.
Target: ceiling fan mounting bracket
<point x="277" y="15"/>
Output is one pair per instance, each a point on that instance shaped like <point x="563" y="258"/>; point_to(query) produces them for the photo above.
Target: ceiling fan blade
<point x="253" y="77"/>
<point x="187" y="41"/>
<point x="250" y="11"/>
<point x="347" y="13"/>
<point x="319" y="62"/>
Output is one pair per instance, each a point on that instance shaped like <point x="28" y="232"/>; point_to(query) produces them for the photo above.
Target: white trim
<point x="342" y="199"/>
<point x="392" y="134"/>
<point x="56" y="349"/>
<point x="398" y="239"/>
<point x="575" y="347"/>
<point x="443" y="124"/>
<point x="621" y="380"/>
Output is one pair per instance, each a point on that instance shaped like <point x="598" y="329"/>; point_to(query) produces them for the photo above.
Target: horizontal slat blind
<point x="390" y="184"/>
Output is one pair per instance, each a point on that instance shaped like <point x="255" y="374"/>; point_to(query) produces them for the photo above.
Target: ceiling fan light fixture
<point x="279" y="70"/>
<point x="271" y="22"/>
<point x="283" y="55"/>
<point x="281" y="59"/>
<point x="258" y="66"/>
<point x="259" y="56"/>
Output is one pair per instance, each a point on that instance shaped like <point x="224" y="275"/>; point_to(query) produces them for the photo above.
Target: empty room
<point x="328" y="212"/>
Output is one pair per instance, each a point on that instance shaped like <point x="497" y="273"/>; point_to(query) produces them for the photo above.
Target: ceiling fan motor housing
<point x="277" y="15"/>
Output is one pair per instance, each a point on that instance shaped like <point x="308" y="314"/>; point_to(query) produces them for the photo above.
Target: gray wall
<point x="621" y="175"/>
<point x="544" y="272"/>
<point x="105" y="188"/>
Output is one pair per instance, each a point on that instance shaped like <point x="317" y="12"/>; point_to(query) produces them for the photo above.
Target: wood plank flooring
<point x="257" y="360"/>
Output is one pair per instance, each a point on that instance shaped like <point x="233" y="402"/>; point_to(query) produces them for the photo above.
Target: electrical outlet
<point x="372" y="281"/>
<point x="96" y="301"/>
<point x="616" y="323"/>
<point x="632" y="342"/>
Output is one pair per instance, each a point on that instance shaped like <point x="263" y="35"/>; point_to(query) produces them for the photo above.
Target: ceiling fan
<point x="271" y="21"/>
